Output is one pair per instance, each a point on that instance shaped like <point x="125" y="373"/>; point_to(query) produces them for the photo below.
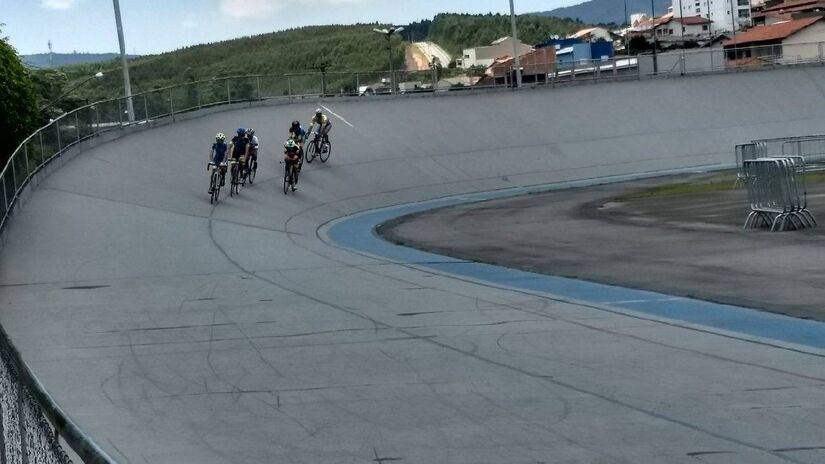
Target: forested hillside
<point x="455" y="32"/>
<point x="303" y="50"/>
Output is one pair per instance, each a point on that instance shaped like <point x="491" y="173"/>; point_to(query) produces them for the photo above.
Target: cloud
<point x="58" y="4"/>
<point x="250" y="8"/>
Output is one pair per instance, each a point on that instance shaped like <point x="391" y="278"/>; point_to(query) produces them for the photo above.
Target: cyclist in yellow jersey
<point x="323" y="123"/>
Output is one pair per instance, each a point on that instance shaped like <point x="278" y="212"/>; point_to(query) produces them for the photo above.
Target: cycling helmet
<point x="296" y="124"/>
<point x="219" y="137"/>
<point x="250" y="132"/>
<point x="241" y="131"/>
<point x="318" y="112"/>
<point x="290" y="144"/>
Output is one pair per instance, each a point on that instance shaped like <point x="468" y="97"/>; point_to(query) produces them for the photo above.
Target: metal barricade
<point x="812" y="149"/>
<point x="777" y="193"/>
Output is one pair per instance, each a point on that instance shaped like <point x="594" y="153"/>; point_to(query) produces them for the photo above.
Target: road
<point x="177" y="332"/>
<point x="433" y="50"/>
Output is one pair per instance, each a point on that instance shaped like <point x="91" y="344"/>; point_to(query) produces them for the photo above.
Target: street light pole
<point x="77" y="86"/>
<point x="515" y="44"/>
<point x="388" y="34"/>
<point x="127" y="85"/>
<point x="653" y="30"/>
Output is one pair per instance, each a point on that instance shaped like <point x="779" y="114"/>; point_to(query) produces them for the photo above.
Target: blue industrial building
<point x="569" y="51"/>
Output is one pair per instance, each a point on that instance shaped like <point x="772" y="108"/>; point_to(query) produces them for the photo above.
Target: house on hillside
<point x="675" y="29"/>
<point x="791" y="41"/>
<point x="485" y="56"/>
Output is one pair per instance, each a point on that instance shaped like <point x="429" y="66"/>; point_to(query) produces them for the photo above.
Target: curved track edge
<point x="358" y="233"/>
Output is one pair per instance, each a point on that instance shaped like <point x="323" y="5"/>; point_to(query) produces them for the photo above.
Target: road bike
<point x="215" y="182"/>
<point x="319" y="147"/>
<point x="252" y="165"/>
<point x="291" y="174"/>
<point x="235" y="178"/>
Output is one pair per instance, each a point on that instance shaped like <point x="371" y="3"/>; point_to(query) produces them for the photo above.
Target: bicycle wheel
<point x="326" y="150"/>
<point x="287" y="180"/>
<point x="295" y="174"/>
<point x="233" y="183"/>
<point x="213" y="186"/>
<point x="253" y="169"/>
<point x="310" y="151"/>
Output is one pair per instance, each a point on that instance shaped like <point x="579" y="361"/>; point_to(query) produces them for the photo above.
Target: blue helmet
<point x="241" y="131"/>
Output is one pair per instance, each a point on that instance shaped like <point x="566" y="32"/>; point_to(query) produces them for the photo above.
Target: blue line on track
<point x="357" y="233"/>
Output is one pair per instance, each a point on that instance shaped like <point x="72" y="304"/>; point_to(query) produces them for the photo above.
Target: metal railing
<point x="32" y="425"/>
<point x="777" y="193"/>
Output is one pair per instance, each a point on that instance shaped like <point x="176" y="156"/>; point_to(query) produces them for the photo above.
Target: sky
<point x="154" y="26"/>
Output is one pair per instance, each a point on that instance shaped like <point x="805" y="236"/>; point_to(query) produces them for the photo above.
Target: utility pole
<point x="653" y="31"/>
<point x="127" y="85"/>
<point x="516" y="58"/>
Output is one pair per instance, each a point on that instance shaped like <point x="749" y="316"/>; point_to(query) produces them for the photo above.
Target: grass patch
<point x="707" y="183"/>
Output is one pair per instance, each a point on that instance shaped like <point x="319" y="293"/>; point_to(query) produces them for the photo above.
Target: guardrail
<point x="32" y="424"/>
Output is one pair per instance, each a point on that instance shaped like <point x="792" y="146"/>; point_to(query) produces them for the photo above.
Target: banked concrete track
<point x="175" y="332"/>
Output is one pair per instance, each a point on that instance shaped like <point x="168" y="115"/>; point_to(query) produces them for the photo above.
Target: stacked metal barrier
<point x="777" y="193"/>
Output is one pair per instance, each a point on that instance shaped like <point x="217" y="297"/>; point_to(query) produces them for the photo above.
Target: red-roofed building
<point x="790" y="9"/>
<point x="796" y="40"/>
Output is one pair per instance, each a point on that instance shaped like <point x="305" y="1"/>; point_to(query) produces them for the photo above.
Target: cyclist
<point x="239" y="149"/>
<point x="324" y="125"/>
<point x="217" y="156"/>
<point x="298" y="133"/>
<point x="292" y="154"/>
<point x="253" y="147"/>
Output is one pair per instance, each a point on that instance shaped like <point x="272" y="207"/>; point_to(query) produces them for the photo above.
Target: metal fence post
<point x="145" y="109"/>
<point x="819" y="50"/>
<point x="59" y="139"/>
<point x="97" y="120"/>
<point x="5" y="200"/>
<point x="2" y="429"/>
<point x="120" y="111"/>
<point x="357" y="83"/>
<point x="77" y="125"/>
<point x="13" y="175"/>
<point x="26" y="157"/>
<point x="42" y="149"/>
<point x="289" y="85"/>
<point x="21" y="420"/>
<point x="228" y="93"/>
<point x="171" y="105"/>
<point x="258" y="87"/>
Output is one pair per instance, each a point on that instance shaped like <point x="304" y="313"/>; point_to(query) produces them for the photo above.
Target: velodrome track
<point x="177" y="332"/>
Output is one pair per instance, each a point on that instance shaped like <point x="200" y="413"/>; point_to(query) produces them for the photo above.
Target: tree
<point x="18" y="101"/>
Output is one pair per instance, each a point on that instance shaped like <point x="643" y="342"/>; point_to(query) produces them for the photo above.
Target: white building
<point x="485" y="56"/>
<point x="726" y="15"/>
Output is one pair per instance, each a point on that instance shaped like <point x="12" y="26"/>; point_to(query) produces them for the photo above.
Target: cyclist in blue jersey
<point x="217" y="156"/>
<point x="297" y="133"/>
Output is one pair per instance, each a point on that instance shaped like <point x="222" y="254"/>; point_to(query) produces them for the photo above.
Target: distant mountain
<point x="607" y="11"/>
<point x="41" y="60"/>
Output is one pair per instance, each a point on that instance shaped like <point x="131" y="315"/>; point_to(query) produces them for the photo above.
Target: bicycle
<point x="252" y="165"/>
<point x="318" y="150"/>
<point x="215" y="182"/>
<point x="291" y="173"/>
<point x="235" y="178"/>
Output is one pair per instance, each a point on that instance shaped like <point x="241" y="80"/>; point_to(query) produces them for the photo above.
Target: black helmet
<point x="296" y="124"/>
